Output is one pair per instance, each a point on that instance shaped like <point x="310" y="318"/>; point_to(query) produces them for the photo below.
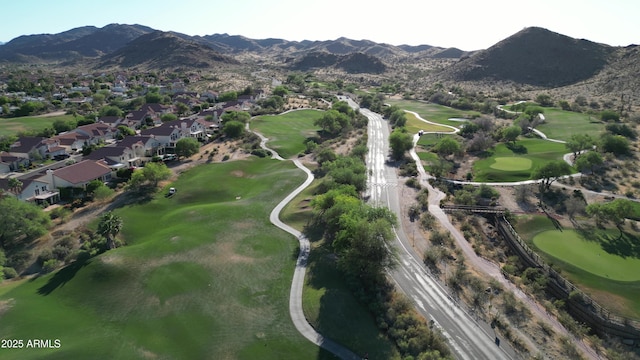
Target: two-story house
<point x="97" y="132"/>
<point x="10" y="162"/>
<point x="115" y="157"/>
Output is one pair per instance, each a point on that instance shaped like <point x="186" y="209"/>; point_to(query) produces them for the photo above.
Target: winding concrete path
<point x="295" y="296"/>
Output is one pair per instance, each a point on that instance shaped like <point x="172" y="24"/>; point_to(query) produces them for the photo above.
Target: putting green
<point x="569" y="246"/>
<point x="511" y="163"/>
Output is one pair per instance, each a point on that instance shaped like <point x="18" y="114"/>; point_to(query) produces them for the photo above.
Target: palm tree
<point x="109" y="226"/>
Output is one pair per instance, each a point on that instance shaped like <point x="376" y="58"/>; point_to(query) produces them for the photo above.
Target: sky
<point x="465" y="24"/>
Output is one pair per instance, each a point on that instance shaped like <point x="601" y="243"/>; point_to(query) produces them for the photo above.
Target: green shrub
<point x="9" y="272"/>
<point x="49" y="265"/>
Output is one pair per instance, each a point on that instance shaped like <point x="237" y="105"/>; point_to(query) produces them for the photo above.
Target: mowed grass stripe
<point x="196" y="281"/>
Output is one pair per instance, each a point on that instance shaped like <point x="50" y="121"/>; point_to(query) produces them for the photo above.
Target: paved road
<point x="295" y="296"/>
<point x="482" y="265"/>
<point x="467" y="338"/>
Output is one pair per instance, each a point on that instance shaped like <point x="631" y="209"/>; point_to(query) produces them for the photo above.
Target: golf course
<point x="287" y="132"/>
<point x="506" y="163"/>
<point x="204" y="274"/>
<point x="602" y="261"/>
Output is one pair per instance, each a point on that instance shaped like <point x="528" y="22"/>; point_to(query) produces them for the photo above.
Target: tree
<point x="182" y="109"/>
<point x="233" y="129"/>
<point x="20" y="222"/>
<point x="615" y="211"/>
<point x="109" y="226"/>
<point x="533" y="111"/>
<point x="609" y="115"/>
<point x="615" y="144"/>
<point x="579" y="142"/>
<point x="511" y="133"/>
<point x="152" y="173"/>
<point x="153" y="97"/>
<point x="544" y="100"/>
<point x="400" y="142"/>
<point x="110" y="111"/>
<point x="589" y="161"/>
<point x="398" y="118"/>
<point x="280" y="90"/>
<point x="186" y="147"/>
<point x="15" y="186"/>
<point x="447" y="146"/>
<point x="333" y="122"/>
<point x="124" y="130"/>
<point x="550" y="172"/>
<point x="241" y="116"/>
<point x="61" y="125"/>
<point x="168" y="117"/>
<point x="481" y="142"/>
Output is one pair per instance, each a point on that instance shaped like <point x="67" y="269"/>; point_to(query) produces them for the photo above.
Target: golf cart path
<point x="295" y="297"/>
<point x="483" y="265"/>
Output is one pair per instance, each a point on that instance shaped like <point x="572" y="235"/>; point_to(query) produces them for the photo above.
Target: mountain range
<point x="533" y="56"/>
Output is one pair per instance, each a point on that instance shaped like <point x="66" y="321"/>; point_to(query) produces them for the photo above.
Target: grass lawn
<point x="596" y="257"/>
<point x="606" y="266"/>
<point x="561" y="124"/>
<point x="205" y="275"/>
<point x="287" y="132"/>
<point x="505" y="165"/>
<point x="12" y="126"/>
<point x="327" y="301"/>
<point x="511" y="163"/>
<point x="434" y="112"/>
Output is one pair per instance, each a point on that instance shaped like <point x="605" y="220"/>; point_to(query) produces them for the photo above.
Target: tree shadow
<point x="341" y="317"/>
<point x="63" y="276"/>
<point x="624" y="245"/>
<point x="517" y="148"/>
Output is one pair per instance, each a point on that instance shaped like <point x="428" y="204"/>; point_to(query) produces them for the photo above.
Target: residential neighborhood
<point x="97" y="150"/>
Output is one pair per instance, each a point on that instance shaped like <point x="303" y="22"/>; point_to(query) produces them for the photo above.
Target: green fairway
<point x="327" y="300"/>
<point x="511" y="163"/>
<point x="434" y="112"/>
<point x="587" y="257"/>
<point x="287" y="132"/>
<point x="561" y="124"/>
<point x="504" y="165"/>
<point x="205" y="275"/>
<point x="12" y="126"/>
<point x="414" y="125"/>
<point x="571" y="247"/>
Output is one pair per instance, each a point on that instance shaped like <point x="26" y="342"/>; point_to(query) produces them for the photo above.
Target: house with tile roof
<point x="170" y="132"/>
<point x="112" y="121"/>
<point x="29" y="147"/>
<point x="10" y="162"/>
<point x="115" y="157"/>
<point x="136" y="119"/>
<point x="97" y="132"/>
<point x="144" y="146"/>
<point x="34" y="189"/>
<point x="79" y="175"/>
<point x="72" y="141"/>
